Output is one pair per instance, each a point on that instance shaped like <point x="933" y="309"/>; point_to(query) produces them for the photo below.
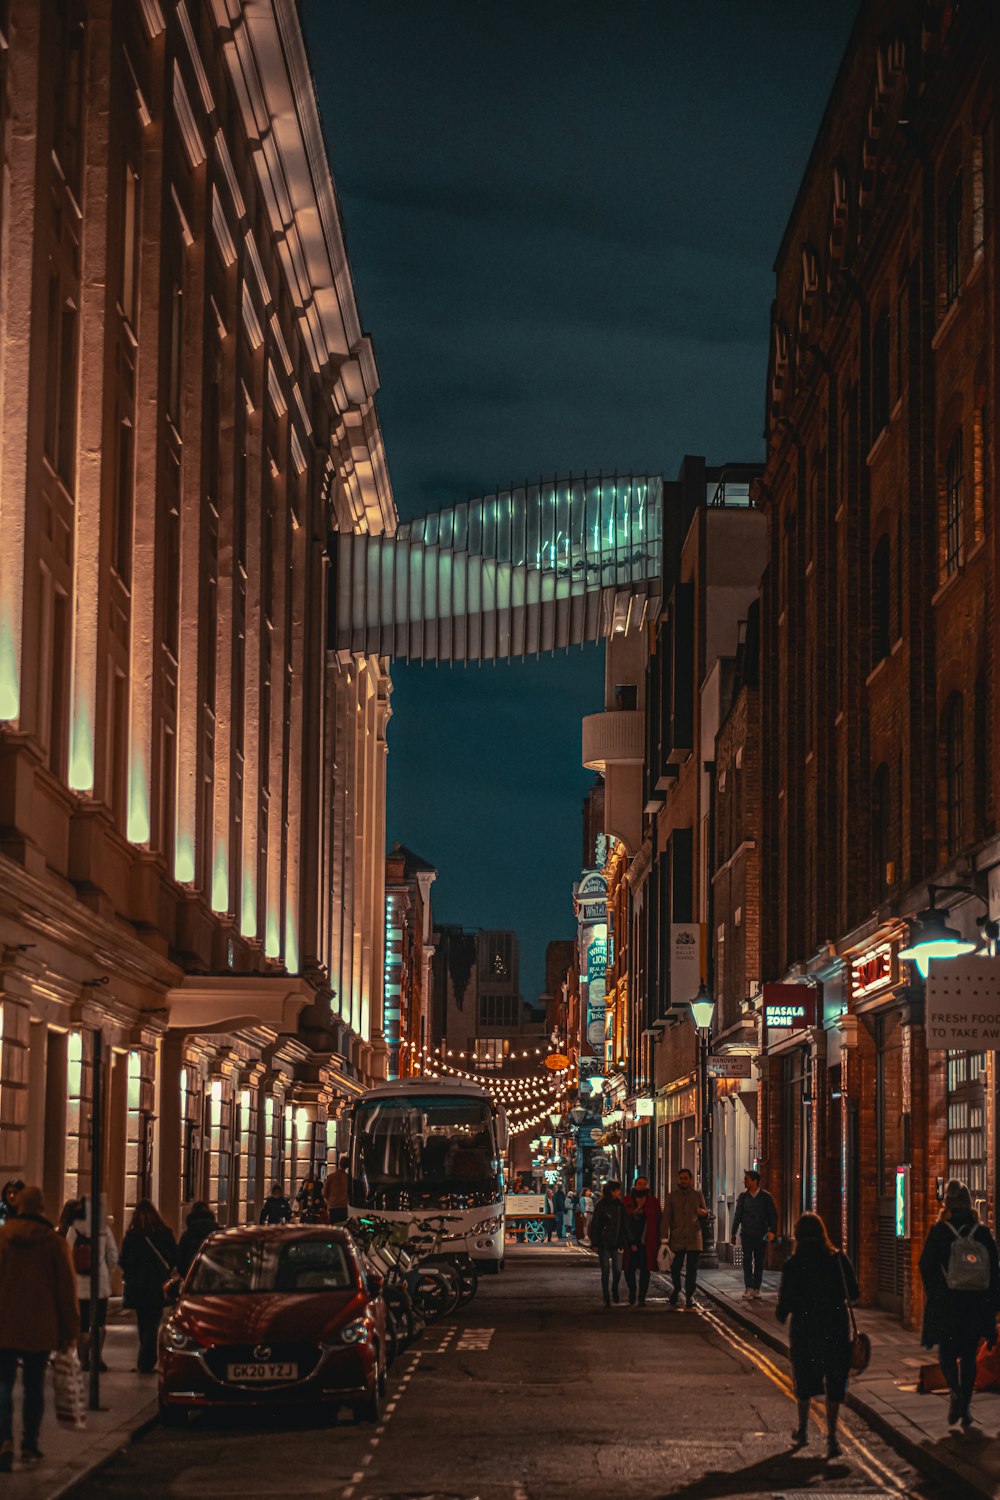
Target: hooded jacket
<point x="199" y="1227"/>
<point x="80" y="1230"/>
<point x="38" y="1307"/>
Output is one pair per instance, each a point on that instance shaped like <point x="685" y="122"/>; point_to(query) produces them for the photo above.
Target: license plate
<point x="248" y="1374"/>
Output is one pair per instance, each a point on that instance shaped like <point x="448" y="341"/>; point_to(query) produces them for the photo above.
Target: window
<point x="954" y="484"/>
<point x="980" y="471"/>
<point x="880" y="373"/>
<point x="880" y="833"/>
<point x="68" y="44"/>
<point x="967" y="1119"/>
<point x="954" y="773"/>
<point x="881" y="601"/>
<point x="129" y="277"/>
<point x="953" y="240"/>
<point x="60" y="385"/>
<point x="53" y="657"/>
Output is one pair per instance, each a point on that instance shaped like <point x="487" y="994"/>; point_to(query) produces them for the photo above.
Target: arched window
<point x="880" y="840"/>
<point x="954" y="774"/>
<point x="954" y="503"/>
<point x="881" y="601"/>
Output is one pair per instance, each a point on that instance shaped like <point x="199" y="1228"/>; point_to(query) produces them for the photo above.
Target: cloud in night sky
<point x="562" y="220"/>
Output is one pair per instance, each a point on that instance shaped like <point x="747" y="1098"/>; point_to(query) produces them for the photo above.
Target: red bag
<point x="81" y="1254"/>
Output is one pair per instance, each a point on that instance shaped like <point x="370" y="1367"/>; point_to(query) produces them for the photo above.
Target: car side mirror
<point x="375" y="1283"/>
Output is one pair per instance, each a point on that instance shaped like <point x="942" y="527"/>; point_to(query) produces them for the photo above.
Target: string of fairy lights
<point x="527" y="1102"/>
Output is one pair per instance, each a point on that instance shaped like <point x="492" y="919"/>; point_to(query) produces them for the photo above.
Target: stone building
<point x="409" y="950"/>
<point x="879" y="703"/>
<point x="191" y="783"/>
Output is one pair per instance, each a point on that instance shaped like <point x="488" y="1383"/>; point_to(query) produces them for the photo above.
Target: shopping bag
<point x="664" y="1258"/>
<point x="70" y="1403"/>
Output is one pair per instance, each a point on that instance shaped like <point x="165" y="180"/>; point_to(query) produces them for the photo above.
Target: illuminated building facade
<point x="879" y="695"/>
<point x="192" y="781"/>
<point x="409" y="950"/>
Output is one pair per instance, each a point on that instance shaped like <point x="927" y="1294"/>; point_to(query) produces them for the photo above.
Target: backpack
<point x="81" y="1254"/>
<point x="968" y="1268"/>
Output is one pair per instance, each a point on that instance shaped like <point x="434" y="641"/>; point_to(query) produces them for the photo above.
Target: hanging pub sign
<point x="789" y="1007"/>
<point x="873" y="971"/>
<point x="963" y="1005"/>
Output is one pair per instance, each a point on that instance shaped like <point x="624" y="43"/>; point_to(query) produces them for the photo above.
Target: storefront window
<point x="796" y="1106"/>
<point x="967" y="1120"/>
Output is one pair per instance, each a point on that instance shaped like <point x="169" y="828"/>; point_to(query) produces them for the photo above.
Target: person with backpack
<point x="961" y="1276"/>
<point x="93" y="1321"/>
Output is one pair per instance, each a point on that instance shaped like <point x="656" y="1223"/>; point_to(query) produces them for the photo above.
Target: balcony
<point x="614" y="738"/>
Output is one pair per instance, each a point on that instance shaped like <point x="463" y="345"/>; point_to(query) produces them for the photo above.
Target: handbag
<point x="68" y="1381"/>
<point x="82" y="1250"/>
<point x="861" y="1344"/>
<point x="664" y="1258"/>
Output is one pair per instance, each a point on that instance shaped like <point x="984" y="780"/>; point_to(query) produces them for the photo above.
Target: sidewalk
<point x="70" y="1456"/>
<point x="885" y="1395"/>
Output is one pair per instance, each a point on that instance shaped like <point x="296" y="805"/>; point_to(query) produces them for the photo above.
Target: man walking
<point x="756" y="1222"/>
<point x="335" y="1191"/>
<point x="607" y="1235"/>
<point x="683" y="1216"/>
<point x="38" y="1313"/>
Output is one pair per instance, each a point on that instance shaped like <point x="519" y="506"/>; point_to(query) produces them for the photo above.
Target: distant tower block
<point x="527" y="570"/>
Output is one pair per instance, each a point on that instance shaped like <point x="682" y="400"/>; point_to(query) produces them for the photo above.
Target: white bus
<point x="421" y="1147"/>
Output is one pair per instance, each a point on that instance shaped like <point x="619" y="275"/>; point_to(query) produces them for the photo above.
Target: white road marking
<point x="474" y="1338"/>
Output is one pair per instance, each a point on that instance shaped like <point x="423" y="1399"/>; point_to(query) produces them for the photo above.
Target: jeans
<point x="34" y="1394"/>
<point x="958" y="1364"/>
<point x="611" y="1262"/>
<point x="147" y="1320"/>
<point x="753" y="1262"/>
<point x="685" y="1260"/>
<point x="633" y="1268"/>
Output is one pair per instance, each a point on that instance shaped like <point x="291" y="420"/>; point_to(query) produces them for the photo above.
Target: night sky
<point x="562" y="220"/>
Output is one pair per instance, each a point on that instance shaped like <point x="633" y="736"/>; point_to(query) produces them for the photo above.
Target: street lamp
<point x="703" y="1014"/>
<point x="931" y="937"/>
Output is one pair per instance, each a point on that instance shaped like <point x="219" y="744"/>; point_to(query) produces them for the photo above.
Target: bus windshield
<point x="424" y="1152"/>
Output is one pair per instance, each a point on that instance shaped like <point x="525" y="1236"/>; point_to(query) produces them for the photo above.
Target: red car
<point x="275" y="1316"/>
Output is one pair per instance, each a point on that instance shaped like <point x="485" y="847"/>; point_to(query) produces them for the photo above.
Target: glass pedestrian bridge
<point x="526" y="570"/>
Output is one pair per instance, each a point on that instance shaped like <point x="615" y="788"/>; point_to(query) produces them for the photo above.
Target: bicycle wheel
<point x="534" y="1233"/>
<point x="435" y="1295"/>
<point x="469" y="1278"/>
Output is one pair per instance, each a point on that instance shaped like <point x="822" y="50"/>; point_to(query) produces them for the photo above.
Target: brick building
<point x="409" y="949"/>
<point x="879" y="703"/>
<point x="191" y="786"/>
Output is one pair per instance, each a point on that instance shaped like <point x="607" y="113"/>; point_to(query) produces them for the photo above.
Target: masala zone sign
<point x="789" y="1007"/>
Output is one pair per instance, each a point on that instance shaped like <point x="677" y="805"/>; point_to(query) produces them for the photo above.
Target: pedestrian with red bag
<point x="643" y="1214"/>
<point x="93" y="1321"/>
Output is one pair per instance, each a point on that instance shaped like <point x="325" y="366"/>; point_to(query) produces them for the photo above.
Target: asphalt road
<point x="537" y="1392"/>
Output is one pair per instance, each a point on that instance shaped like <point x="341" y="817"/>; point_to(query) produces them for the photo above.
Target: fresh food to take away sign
<point x="963" y="1005"/>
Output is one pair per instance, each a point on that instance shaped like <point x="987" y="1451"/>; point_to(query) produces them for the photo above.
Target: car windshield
<point x="417" y="1152"/>
<point x="227" y="1267"/>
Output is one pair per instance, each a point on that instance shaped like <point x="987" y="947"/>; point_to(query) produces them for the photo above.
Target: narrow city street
<point x="536" y="1392"/>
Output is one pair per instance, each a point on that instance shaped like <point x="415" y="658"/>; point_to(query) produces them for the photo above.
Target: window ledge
<point x="838" y="514"/>
<point x="878" y="445"/>
<point x="876" y="669"/>
<point x="948" y="584"/>
<point x="947" y="322"/>
<point x="839" y="719"/>
<point x="809" y="758"/>
<point x="975" y="270"/>
<point x="897" y="646"/>
<point x="974" y="551"/>
<point x="896" y="410"/>
<point x="810" y="567"/>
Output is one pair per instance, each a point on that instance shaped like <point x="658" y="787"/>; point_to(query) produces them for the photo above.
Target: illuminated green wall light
<point x="248" y="906"/>
<point x="220" y="879"/>
<point x="10" y="687"/>
<point x="184" y="859"/>
<point x="138" y="803"/>
<point x="272" y="935"/>
<point x="291" y="944"/>
<point x="81" y="753"/>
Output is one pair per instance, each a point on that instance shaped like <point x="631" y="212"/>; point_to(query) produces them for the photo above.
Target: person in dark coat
<point x="816" y="1282"/>
<point x="201" y="1222"/>
<point x="608" y="1237"/>
<point x="643" y="1229"/>
<point x="957" y="1321"/>
<point x="310" y="1203"/>
<point x="8" y="1199"/>
<point x="277" y="1209"/>
<point x="148" y="1257"/>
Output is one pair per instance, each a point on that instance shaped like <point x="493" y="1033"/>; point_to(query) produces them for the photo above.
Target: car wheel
<point x="173" y="1416"/>
<point x="370" y="1410"/>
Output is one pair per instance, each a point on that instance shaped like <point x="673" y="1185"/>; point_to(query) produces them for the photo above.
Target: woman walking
<point x="607" y="1235"/>
<point x="816" y="1283"/>
<point x="148" y="1258"/>
<point x="958" y="1266"/>
<point x="93" y="1321"/>
<point x="643" y="1230"/>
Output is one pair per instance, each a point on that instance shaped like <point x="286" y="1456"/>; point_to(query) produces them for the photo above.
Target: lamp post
<point x="703" y="1013"/>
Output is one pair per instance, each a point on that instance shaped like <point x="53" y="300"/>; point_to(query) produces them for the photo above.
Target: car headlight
<point x="488" y="1226"/>
<point x="356" y="1332"/>
<point x="175" y="1336"/>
